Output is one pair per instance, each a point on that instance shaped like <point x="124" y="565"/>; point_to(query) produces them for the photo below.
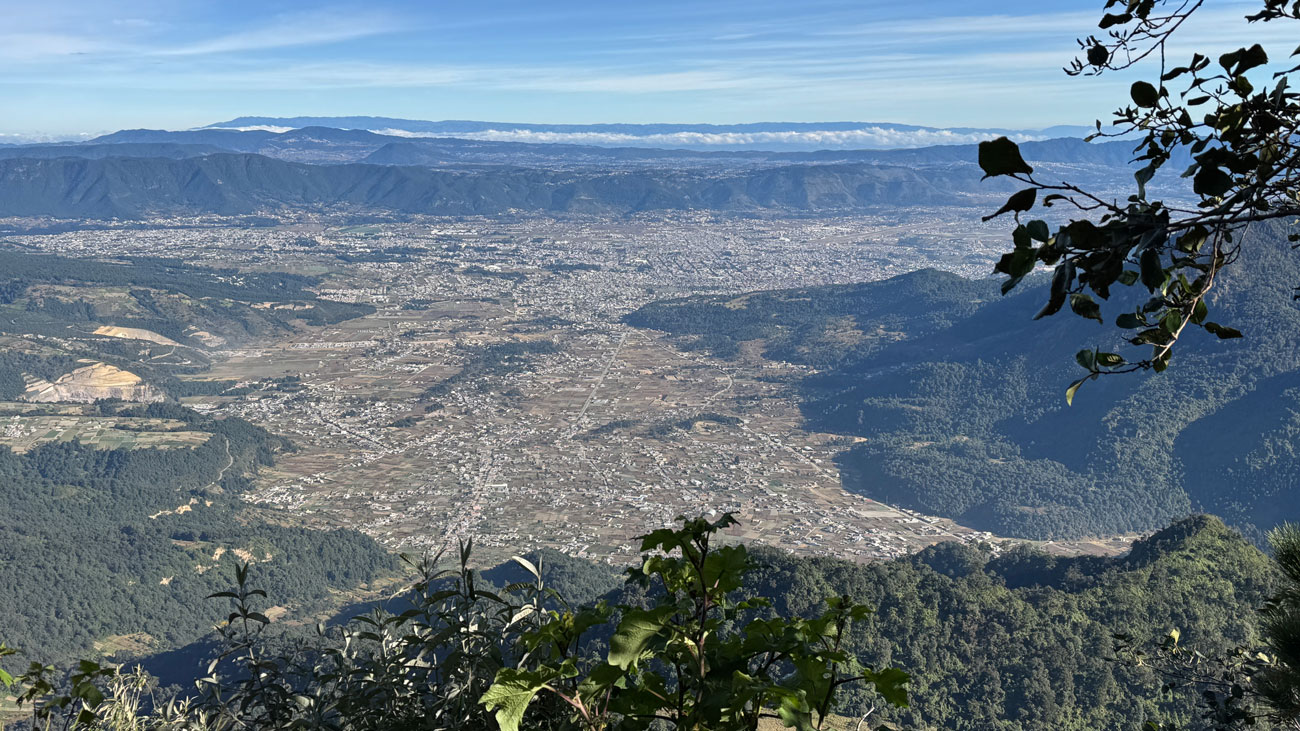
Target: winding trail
<point x="230" y="462"/>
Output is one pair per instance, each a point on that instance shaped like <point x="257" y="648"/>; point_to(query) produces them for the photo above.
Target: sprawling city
<point x="595" y="431"/>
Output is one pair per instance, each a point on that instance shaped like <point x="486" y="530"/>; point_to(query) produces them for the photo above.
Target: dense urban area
<point x="495" y="393"/>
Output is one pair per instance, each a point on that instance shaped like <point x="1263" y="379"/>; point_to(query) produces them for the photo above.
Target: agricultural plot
<point x="23" y="427"/>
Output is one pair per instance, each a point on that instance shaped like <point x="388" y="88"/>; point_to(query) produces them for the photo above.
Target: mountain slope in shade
<point x="171" y="150"/>
<point x="959" y="396"/>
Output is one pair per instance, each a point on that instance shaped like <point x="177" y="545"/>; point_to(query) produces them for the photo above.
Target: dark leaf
<point x="1153" y="273"/>
<point x="1129" y="321"/>
<point x="889" y="683"/>
<point x="1144" y="94"/>
<point x="1199" y="312"/>
<point x="1109" y="360"/>
<point x="1211" y="181"/>
<point x="1038" y="231"/>
<point x="1222" y="331"/>
<point x="1084" y="306"/>
<point x="1002" y="157"/>
<point x="1021" y="201"/>
<point x="1243" y="59"/>
<point x="1171" y="322"/>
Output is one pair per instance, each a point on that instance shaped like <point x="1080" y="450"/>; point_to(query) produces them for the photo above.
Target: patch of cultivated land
<point x="23" y="426"/>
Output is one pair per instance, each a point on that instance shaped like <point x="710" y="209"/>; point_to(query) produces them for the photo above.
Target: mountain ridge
<point x="328" y="144"/>
<point x="230" y="184"/>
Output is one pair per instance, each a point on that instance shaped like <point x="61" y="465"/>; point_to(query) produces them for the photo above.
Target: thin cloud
<point x="38" y="46"/>
<point x="309" y="29"/>
<point x="343" y="75"/>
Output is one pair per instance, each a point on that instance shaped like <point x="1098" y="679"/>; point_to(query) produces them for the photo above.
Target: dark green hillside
<point x="214" y="299"/>
<point x="1020" y="641"/>
<point x="1008" y="641"/>
<point x="82" y="560"/>
<point x="126" y="149"/>
<point x="960" y="394"/>
<point x="796" y="324"/>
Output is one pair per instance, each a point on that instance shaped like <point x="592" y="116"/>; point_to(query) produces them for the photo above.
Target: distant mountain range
<point x="136" y="173"/>
<point x="752" y="136"/>
<point x="453" y="126"/>
<point x="328" y="144"/>
<point x="230" y="184"/>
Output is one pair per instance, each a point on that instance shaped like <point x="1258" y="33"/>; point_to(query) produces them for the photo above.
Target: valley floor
<point x="496" y="394"/>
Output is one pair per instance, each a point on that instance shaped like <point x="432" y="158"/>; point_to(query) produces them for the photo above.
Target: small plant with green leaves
<point x="423" y="668"/>
<point x="59" y="700"/>
<point x="697" y="658"/>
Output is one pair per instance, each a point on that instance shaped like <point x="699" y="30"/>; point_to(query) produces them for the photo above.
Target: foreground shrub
<point x="459" y="655"/>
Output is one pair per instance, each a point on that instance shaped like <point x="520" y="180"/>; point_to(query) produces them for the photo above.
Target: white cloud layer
<point x="870" y="137"/>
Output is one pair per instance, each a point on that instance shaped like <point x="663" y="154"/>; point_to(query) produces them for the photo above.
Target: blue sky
<point x="88" y="67"/>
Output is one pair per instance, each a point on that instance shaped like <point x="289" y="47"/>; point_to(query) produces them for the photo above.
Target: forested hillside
<point x="960" y="396"/>
<point x="1005" y="641"/>
<point x="120" y="547"/>
<point x="1016" y="640"/>
<point x="1021" y="640"/>
<point x="232" y="184"/>
<point x="117" y="519"/>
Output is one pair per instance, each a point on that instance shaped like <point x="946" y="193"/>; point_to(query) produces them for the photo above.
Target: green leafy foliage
<point x="462" y="656"/>
<point x="695" y="658"/>
<point x="961" y="638"/>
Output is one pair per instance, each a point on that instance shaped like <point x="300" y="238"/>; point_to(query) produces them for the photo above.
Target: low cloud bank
<point x="866" y="137"/>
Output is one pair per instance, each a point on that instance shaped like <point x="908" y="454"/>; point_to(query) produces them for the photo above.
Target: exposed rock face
<point x="134" y="333"/>
<point x="91" y="383"/>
